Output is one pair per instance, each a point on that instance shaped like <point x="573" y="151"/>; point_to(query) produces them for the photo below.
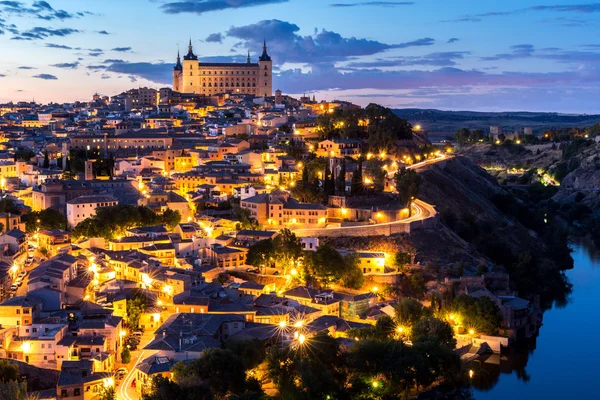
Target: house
<point x="79" y="381"/>
<point x="278" y="209"/>
<point x="321" y="300"/>
<point x="54" y="241"/>
<point x="339" y="148"/>
<point x="19" y="311"/>
<point x="84" y="207"/>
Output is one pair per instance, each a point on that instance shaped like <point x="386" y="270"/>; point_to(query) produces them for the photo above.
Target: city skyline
<point x="531" y="56"/>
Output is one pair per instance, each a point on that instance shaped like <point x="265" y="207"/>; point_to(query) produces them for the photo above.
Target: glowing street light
<point x="375" y="289"/>
<point x="298" y="324"/>
<point x="26" y="347"/>
<point x="294" y="272"/>
<point x="301" y="339"/>
<point x="471" y="331"/>
<point x="282" y="324"/>
<point x="375" y="384"/>
<point x="123" y="332"/>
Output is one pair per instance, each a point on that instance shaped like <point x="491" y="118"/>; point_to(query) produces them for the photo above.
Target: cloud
<point x="59" y="46"/>
<point x="453" y="40"/>
<point x="46" y="77"/>
<point x="518" y="51"/>
<point x="121" y="49"/>
<point x="41" y="33"/>
<point x="563" y="8"/>
<point x="39" y="10"/>
<point x="102" y="32"/>
<point x="96" y="67"/>
<point x="374" y="3"/>
<point x="95" y="53"/>
<point x="580" y="58"/>
<point x="104" y="76"/>
<point x="204" y="6"/>
<point x="328" y="77"/>
<point x="155" y="72"/>
<point x="214" y="38"/>
<point x="2" y="75"/>
<point x="72" y="65"/>
<point x="439" y="59"/>
<point x="286" y="45"/>
<point x="26" y="67"/>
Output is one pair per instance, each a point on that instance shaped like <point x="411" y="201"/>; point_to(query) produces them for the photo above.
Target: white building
<point x="85" y="207"/>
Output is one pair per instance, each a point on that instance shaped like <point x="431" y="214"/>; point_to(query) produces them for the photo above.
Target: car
<point x="276" y="273"/>
<point x="137" y="333"/>
<point x="250" y="270"/>
<point x="132" y="346"/>
<point x="132" y="339"/>
<point x="13" y="288"/>
<point x="121" y="371"/>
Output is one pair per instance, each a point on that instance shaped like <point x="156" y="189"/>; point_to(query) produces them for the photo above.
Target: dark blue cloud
<point x="41" y="33"/>
<point x="72" y="65"/>
<point x="102" y="32"/>
<point x="26" y="67"/>
<point x="2" y="75"/>
<point x="453" y="40"/>
<point x="374" y="3"/>
<point x="286" y="45"/>
<point x="204" y="6"/>
<point x="439" y="59"/>
<point x="38" y="9"/>
<point x="588" y="8"/>
<point x="214" y="38"/>
<point x="47" y="77"/>
<point x="95" y="54"/>
<point x="121" y="49"/>
<point x="60" y="46"/>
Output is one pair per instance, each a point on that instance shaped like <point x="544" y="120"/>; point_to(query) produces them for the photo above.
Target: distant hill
<point x="439" y="122"/>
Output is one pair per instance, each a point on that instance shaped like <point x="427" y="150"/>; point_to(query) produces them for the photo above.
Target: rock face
<point x="461" y="188"/>
<point x="514" y="156"/>
<point x="583" y="180"/>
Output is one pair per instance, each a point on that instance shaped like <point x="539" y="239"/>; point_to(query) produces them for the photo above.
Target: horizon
<point x="457" y="57"/>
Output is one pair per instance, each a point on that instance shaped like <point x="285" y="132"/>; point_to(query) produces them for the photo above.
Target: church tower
<point x="265" y="74"/>
<point x="190" y="72"/>
<point x="177" y="71"/>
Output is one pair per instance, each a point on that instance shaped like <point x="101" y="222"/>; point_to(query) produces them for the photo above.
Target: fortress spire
<point x="190" y="55"/>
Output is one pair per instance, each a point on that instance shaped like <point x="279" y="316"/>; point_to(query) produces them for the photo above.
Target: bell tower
<point x="265" y="74"/>
<point x="190" y="71"/>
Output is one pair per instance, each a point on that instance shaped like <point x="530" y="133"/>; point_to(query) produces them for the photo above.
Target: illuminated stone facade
<point x="192" y="76"/>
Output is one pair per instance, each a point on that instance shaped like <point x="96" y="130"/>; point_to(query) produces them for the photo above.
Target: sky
<point x="509" y="55"/>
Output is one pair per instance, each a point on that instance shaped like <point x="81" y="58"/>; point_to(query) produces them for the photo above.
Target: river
<point x="563" y="361"/>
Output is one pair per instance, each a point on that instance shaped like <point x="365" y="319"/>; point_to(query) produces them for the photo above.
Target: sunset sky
<point x="453" y="54"/>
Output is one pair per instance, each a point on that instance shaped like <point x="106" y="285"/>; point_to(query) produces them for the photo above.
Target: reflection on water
<point x="562" y="362"/>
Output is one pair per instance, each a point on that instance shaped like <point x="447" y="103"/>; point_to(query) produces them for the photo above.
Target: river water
<point x="564" y="360"/>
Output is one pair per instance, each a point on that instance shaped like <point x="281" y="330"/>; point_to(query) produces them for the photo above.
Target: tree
<point x="341" y="179"/>
<point x="171" y="218"/>
<point x="408" y="183"/>
<point x="126" y="354"/>
<point x="287" y="249"/>
<point x="409" y="312"/>
<point x="433" y="327"/>
<point x="11" y="386"/>
<point x="326" y="264"/>
<point x="356" y="184"/>
<point x="135" y="307"/>
<point x="353" y="276"/>
<point x="260" y="253"/>
<point x="49" y="219"/>
<point x="462" y="136"/>
<point x="245" y="217"/>
<point x="401" y="259"/>
<point x="108" y="393"/>
<point x="221" y="369"/>
<point x="46" y="160"/>
<point x="481" y="314"/>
